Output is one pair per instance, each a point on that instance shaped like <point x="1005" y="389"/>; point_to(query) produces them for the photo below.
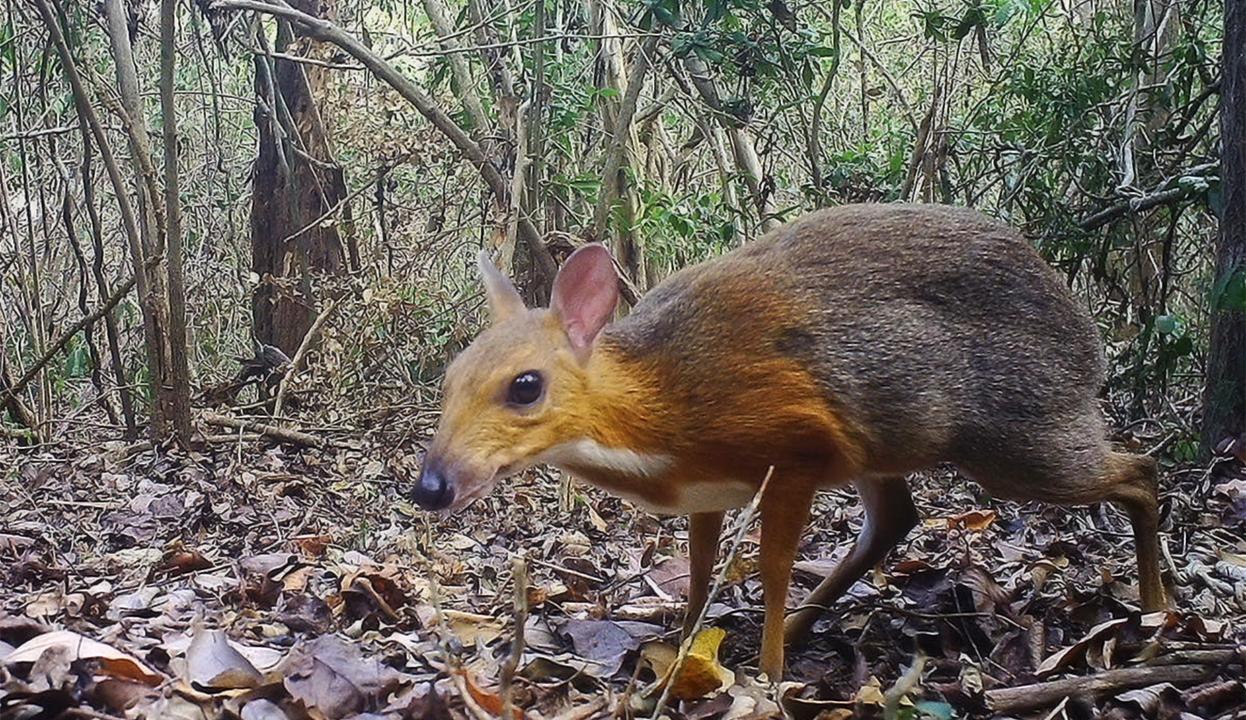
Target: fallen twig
<point x="910" y="680"/>
<point x="294" y="436"/>
<point x="519" y="575"/>
<point x="1037" y="695"/>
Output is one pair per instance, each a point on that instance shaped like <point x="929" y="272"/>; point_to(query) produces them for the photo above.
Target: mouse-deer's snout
<point x="433" y="490"/>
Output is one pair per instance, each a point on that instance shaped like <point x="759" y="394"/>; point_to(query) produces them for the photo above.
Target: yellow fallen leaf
<point x="871" y="693"/>
<point x="699" y="675"/>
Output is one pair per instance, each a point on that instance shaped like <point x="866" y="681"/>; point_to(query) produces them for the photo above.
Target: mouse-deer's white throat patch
<point x="588" y="453"/>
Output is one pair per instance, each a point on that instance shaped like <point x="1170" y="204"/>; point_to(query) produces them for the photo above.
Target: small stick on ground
<point x="294" y="436"/>
<point x="905" y="685"/>
<point x="745" y="519"/>
<point x="1030" y="697"/>
<point x="519" y="574"/>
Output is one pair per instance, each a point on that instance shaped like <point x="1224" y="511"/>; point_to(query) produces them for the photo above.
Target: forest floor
<point x="266" y="581"/>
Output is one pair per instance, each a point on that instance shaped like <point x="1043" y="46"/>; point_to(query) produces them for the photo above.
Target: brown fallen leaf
<point x="469" y="628"/>
<point x="179" y="560"/>
<point x="488" y="700"/>
<point x="112" y="661"/>
<point x="323" y="690"/>
<point x="973" y="520"/>
<point x="306" y="613"/>
<point x="121" y="694"/>
<point x="333" y="677"/>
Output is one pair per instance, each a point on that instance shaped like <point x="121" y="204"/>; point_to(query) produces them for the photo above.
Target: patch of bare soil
<point x="264" y="581"/>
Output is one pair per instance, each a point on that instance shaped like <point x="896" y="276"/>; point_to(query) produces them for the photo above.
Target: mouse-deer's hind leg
<point x="889" y="516"/>
<point x="1134" y="486"/>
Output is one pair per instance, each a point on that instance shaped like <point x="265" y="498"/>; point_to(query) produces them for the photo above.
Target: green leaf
<point x="8" y="51"/>
<point x="715" y="10"/>
<point x="666" y="11"/>
<point x="1181" y="347"/>
<point x="709" y="54"/>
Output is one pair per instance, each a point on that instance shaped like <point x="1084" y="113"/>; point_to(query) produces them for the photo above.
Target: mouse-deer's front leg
<point x="704" y="530"/>
<point x="784" y="514"/>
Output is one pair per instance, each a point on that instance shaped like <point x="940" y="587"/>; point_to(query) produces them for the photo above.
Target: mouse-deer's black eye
<point x="526" y="388"/>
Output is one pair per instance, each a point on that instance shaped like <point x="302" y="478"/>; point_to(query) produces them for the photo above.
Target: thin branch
<point x="294" y="436"/>
<point x="1162" y="195"/>
<point x="296" y="362"/>
<point x="742" y="525"/>
<point x="440" y="20"/>
<point x="329" y="32"/>
<point x="622" y="130"/>
<point x="56" y="346"/>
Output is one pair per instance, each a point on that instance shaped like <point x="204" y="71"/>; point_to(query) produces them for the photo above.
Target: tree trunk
<point x="616" y="116"/>
<point x="1224" y="400"/>
<point x="149" y="220"/>
<point x="295" y="185"/>
<point x="179" y="365"/>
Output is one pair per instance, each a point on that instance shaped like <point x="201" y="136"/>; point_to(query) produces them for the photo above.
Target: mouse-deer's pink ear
<point x="585" y="293"/>
<point x="504" y="300"/>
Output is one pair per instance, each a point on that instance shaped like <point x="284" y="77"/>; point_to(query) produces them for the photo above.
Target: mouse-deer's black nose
<point x="433" y="491"/>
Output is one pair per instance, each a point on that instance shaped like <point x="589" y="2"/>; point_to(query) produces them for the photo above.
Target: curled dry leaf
<point x="1069" y="655"/>
<point x="488" y="700"/>
<point x="112" y="661"/>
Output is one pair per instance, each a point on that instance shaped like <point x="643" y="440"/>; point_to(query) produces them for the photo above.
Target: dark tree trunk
<point x="290" y="242"/>
<point x="1224" y="402"/>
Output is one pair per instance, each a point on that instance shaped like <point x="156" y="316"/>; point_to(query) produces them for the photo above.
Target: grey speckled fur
<point x="937" y="331"/>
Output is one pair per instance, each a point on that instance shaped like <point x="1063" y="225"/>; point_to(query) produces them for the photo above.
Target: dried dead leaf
<point x="262" y="709"/>
<point x="112" y="661"/>
<point x="871" y="693"/>
<point x="973" y="520"/>
<point x="213" y="664"/>
<point x="1069" y="655"/>
<point x="333" y="677"/>
<point x="488" y="700"/>
<point x="469" y="628"/>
